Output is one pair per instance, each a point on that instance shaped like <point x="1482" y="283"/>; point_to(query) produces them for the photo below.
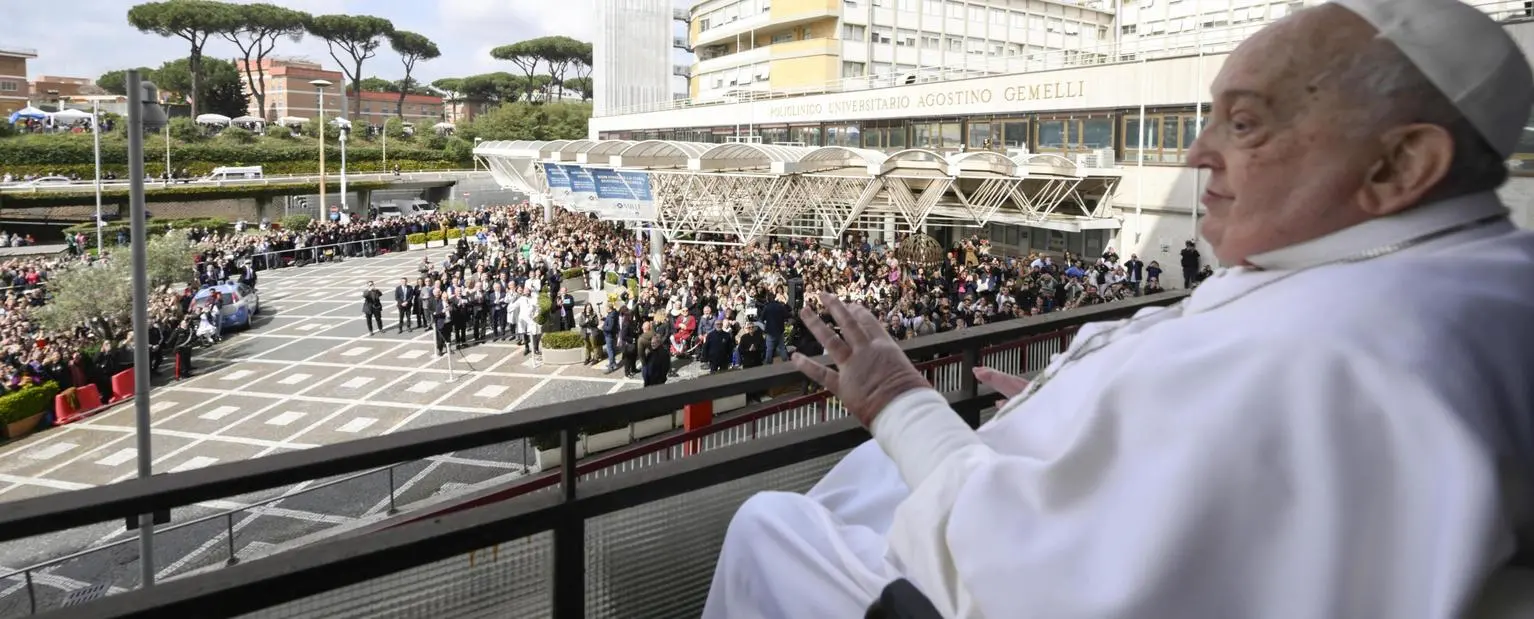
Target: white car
<point x="48" y="181"/>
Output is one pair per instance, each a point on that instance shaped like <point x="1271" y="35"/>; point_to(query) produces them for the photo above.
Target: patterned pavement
<point x="307" y="374"/>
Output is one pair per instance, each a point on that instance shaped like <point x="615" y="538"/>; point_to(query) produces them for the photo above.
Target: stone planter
<point x="603" y="441"/>
<point x="563" y="356"/>
<point x="658" y="425"/>
<point x="23" y="427"/>
<point x="729" y="403"/>
<point x="548" y="459"/>
<point x="574" y="285"/>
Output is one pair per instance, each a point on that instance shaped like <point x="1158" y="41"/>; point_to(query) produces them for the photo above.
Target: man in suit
<point x="372" y="307"/>
<point x="610" y="336"/>
<point x="439" y="318"/>
<point x="718" y="348"/>
<point x="566" y="310"/>
<point x="774" y="316"/>
<point x="404" y="301"/>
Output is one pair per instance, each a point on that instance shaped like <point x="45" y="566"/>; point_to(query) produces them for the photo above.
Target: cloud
<point x="98" y="38"/>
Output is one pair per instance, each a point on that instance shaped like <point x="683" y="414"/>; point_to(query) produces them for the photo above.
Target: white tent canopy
<point x="292" y="120"/>
<point x="248" y="119"/>
<point x="443" y="126"/>
<point x="212" y="119"/>
<point x="71" y="115"/>
<point x="341" y="122"/>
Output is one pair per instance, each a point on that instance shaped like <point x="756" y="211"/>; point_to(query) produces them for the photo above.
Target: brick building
<point x="14" y="90"/>
<point x="50" y="89"/>
<point x="289" y="93"/>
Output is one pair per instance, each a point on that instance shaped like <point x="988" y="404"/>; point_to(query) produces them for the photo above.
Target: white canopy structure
<point x="248" y="120"/>
<point x="292" y="121"/>
<point x="341" y="122"/>
<point x="739" y="192"/>
<point x="212" y="119"/>
<point x="71" y="115"/>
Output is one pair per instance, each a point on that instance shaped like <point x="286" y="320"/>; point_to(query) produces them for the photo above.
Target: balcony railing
<point x="633" y="534"/>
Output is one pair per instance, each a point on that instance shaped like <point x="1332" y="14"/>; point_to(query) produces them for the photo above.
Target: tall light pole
<point x="144" y="114"/>
<point x="96" y="134"/>
<point x="346" y="128"/>
<point x="321" y="85"/>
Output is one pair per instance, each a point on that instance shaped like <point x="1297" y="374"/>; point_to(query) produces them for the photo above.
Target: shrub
<point x="415" y="238"/>
<point x="27" y="402"/>
<point x="154" y="226"/>
<point x="435" y="236"/>
<point x="612" y="278"/>
<point x="75" y="154"/>
<point x="563" y="340"/>
<point x="297" y="223"/>
<point x="238" y="135"/>
<point x="573" y="273"/>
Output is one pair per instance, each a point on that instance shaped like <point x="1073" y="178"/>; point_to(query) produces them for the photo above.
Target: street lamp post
<point x="96" y="135"/>
<point x="321" y="85"/>
<point x="144" y="114"/>
<point x="345" y="128"/>
<point x="476" y="157"/>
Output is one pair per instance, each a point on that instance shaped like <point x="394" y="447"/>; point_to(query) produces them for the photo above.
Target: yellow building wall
<point x="692" y="88"/>
<point x="805" y="71"/>
<point x="819" y="29"/>
<point x="790" y="9"/>
<point x="694" y="28"/>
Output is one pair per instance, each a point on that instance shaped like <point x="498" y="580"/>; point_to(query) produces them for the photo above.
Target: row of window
<point x="1035" y="23"/>
<point x="9" y="86"/>
<point x="1167" y="135"/>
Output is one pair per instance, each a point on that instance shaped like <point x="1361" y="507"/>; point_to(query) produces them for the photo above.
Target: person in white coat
<point x="1339" y="425"/>
<point x="528" y="326"/>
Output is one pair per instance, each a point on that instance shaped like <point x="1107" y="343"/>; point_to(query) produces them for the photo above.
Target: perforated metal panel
<point x="511" y="580"/>
<point x="657" y="560"/>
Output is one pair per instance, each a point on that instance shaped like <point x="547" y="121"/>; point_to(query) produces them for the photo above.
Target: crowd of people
<point x="722" y="306"/>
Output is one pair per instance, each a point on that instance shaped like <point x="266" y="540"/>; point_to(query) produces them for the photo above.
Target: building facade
<point x="632" y="54"/>
<point x="1138" y="112"/>
<point x="288" y="91"/>
<point x="422" y="111"/>
<point x="15" y="92"/>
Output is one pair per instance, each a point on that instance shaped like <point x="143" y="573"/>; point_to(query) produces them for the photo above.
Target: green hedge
<point x="417" y="238"/>
<point x="573" y="273"/>
<point x="27" y="402"/>
<point x="154" y="225"/>
<point x="297" y="223"/>
<point x="564" y="340"/>
<point x="174" y="193"/>
<point x="75" y="154"/>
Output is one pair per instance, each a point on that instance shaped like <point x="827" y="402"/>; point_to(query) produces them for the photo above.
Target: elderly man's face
<point x="1283" y="165"/>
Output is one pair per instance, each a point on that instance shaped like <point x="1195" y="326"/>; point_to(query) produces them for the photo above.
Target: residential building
<point x="15" y="92"/>
<point x="458" y="109"/>
<point x="423" y="111"/>
<point x="54" y="90"/>
<point x="288" y="91"/>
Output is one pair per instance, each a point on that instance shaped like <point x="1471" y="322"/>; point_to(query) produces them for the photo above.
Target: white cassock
<point x="1352" y="441"/>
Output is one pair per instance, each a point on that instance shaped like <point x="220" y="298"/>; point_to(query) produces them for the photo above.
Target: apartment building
<point x="51" y="88"/>
<point x="638" y="54"/>
<point x="15" y="92"/>
<point x="288" y="91"/>
<point x="423" y="111"/>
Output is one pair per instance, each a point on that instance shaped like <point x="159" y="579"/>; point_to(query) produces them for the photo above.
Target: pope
<point x="1341" y="424"/>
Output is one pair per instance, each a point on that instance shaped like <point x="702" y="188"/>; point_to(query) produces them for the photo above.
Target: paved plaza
<point x="306" y="374"/>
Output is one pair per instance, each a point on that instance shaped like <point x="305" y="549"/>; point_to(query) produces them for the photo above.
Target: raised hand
<point x="871" y="370"/>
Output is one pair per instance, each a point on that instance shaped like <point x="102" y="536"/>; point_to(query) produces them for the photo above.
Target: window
<point x="955" y="44"/>
<point x="882" y="37"/>
<point x="853" y="69"/>
<point x="809" y="136"/>
<point x="982" y="134"/>
<point x="9" y="87"/>
<point x="936" y="135"/>
<point x="998" y="17"/>
<point x="930" y="41"/>
<point x="932" y="7"/>
<point x="1168" y="136"/>
<point x="906" y="5"/>
<point x="955" y="10"/>
<point x="853" y="32"/>
<point x="851" y="4"/>
<point x="843" y="135"/>
<point x="905" y="38"/>
<point x="782" y="37"/>
<point x="1075" y="135"/>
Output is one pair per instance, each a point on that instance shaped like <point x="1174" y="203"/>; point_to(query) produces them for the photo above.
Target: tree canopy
<point x="255" y="29"/>
<point x="557" y="55"/>
<point x="192" y="20"/>
<point x="355" y="36"/>
<point x="219" y="80"/>
<point x="412" y="48"/>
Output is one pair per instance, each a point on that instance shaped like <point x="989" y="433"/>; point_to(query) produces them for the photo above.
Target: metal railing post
<point x="392" y="508"/>
<point x="31" y="593"/>
<point x="569" y="539"/>
<point x="969" y="388"/>
<point x="229" y="531"/>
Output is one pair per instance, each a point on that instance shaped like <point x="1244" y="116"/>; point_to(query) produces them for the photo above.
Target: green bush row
<point x="154" y="225"/>
<point x="79" y="149"/>
<point x="435" y="236"/>
<point x="203" y="168"/>
<point x="563" y="340"/>
<point x="19" y="405"/>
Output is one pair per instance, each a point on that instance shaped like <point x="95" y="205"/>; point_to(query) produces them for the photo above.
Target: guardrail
<point x="551" y="524"/>
<point x="440" y="175"/>
<point x="283" y="257"/>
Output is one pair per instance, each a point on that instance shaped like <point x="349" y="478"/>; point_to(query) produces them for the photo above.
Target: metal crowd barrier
<point x="315" y="253"/>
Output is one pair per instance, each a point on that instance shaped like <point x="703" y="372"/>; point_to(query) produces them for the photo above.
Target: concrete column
<point x="548" y="211"/>
<point x="657" y="251"/>
<point x="263" y="207"/>
<point x="364" y="199"/>
<point x="889" y="228"/>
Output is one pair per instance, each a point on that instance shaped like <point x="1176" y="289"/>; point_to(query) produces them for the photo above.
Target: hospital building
<point x="1044" y="125"/>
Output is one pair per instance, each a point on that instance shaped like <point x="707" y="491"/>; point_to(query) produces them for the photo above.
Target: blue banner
<point x="559" y="182"/>
<point x="624" y="195"/>
<point x="583" y="189"/>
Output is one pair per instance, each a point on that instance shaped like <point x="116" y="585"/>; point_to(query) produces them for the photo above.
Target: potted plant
<point x="22" y="411"/>
<point x="574" y="279"/>
<point x="564" y="347"/>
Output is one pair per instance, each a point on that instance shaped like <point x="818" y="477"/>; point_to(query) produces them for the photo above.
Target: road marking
<point x="475" y="358"/>
<point x="490" y="391"/>
<point x="218" y="413"/>
<point x="195" y="463"/>
<point x="424" y="386"/>
<point x="357" y="425"/>
<point x="236" y="375"/>
<point x="312" y="327"/>
<point x="50" y="452"/>
<point x="294" y="379"/>
<point x="357" y="383"/>
<point x="285" y="418"/>
<point x="412" y="354"/>
<point x="356" y="352"/>
<point x="119" y="458"/>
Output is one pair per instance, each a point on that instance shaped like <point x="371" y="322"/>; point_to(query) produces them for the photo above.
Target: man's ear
<point x="1412" y="160"/>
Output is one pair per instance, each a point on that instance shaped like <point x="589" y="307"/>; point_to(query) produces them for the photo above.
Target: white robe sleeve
<point x="1225" y="483"/>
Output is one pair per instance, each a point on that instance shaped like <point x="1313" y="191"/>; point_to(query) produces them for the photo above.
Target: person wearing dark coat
<point x="372" y="307"/>
<point x="753" y="347"/>
<point x="105" y="365"/>
<point x="404" y="301"/>
<point x="656" y="355"/>
<point x="440" y="310"/>
<point x="718" y="347"/>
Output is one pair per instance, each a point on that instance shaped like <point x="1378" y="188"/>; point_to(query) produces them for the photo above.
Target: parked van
<point x="234" y="174"/>
<point x="422" y="207"/>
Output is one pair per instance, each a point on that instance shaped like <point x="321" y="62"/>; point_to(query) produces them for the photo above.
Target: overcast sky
<point x="92" y="37"/>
